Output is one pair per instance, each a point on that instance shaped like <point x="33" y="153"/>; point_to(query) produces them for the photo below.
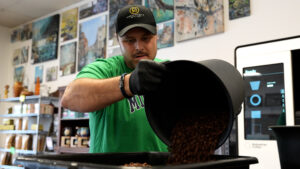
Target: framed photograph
<point x="69" y="25"/>
<point x="196" y="18"/>
<point x="45" y="39"/>
<point x="239" y="9"/>
<point x="16" y="57"/>
<point x="20" y="55"/>
<point x="19" y="74"/>
<point x="26" y="32"/>
<point x="15" y="35"/>
<point x="51" y="74"/>
<point x="92" y="40"/>
<point x="163" y="10"/>
<point x="165" y="34"/>
<point x="67" y="64"/>
<point x="39" y="73"/>
<point x="92" y="8"/>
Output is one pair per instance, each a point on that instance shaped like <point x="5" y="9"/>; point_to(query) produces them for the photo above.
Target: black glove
<point x="146" y="77"/>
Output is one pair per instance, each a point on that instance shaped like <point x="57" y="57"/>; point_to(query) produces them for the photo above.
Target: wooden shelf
<point x="73" y="150"/>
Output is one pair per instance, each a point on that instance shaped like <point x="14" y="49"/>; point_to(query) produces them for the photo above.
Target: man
<point x="111" y="89"/>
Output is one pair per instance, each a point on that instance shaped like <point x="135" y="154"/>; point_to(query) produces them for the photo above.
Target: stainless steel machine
<point x="272" y="96"/>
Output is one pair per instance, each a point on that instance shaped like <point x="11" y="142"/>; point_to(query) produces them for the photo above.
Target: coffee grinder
<point x="272" y="96"/>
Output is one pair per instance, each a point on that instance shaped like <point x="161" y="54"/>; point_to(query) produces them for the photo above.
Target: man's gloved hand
<point x="146" y="77"/>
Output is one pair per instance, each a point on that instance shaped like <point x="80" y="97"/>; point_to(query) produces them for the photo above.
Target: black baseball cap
<point x="132" y="16"/>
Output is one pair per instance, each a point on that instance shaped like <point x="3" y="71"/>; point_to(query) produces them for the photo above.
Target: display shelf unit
<point x="31" y="152"/>
<point x="36" y="118"/>
<point x="10" y="167"/>
<point x="32" y="99"/>
<point x="69" y="122"/>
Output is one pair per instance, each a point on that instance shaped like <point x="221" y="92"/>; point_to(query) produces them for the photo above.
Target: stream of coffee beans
<point x="194" y="139"/>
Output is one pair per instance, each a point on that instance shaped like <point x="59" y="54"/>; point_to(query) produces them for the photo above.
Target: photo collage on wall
<point x="78" y="36"/>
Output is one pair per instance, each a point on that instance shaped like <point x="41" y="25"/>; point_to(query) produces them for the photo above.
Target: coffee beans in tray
<point x="195" y="138"/>
<point x="132" y="164"/>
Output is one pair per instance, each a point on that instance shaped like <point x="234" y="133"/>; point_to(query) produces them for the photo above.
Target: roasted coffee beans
<point x="132" y="164"/>
<point x="194" y="139"/>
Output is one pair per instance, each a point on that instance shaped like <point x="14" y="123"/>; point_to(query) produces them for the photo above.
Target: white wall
<point x="30" y="68"/>
<point x="5" y="69"/>
<point x="269" y="19"/>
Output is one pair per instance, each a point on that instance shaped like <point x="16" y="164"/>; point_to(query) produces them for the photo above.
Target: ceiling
<point x="17" y="12"/>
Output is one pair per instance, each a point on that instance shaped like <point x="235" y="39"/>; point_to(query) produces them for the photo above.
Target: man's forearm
<point x="86" y="95"/>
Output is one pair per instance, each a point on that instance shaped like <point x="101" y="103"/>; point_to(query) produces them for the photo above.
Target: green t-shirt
<point x="122" y="126"/>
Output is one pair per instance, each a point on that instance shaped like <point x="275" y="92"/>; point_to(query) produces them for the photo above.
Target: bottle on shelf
<point x="37" y="86"/>
<point x="17" y="88"/>
<point x="6" y="91"/>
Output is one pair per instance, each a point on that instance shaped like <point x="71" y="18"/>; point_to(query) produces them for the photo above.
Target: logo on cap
<point x="134" y="10"/>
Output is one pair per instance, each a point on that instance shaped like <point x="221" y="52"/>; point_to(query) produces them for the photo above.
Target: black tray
<point x="117" y="161"/>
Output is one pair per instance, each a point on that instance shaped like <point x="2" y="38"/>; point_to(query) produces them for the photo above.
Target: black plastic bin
<point x="195" y="88"/>
<point x="117" y="161"/>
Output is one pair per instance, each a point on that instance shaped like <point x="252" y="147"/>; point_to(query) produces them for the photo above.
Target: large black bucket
<point x="288" y="143"/>
<point x="195" y="87"/>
